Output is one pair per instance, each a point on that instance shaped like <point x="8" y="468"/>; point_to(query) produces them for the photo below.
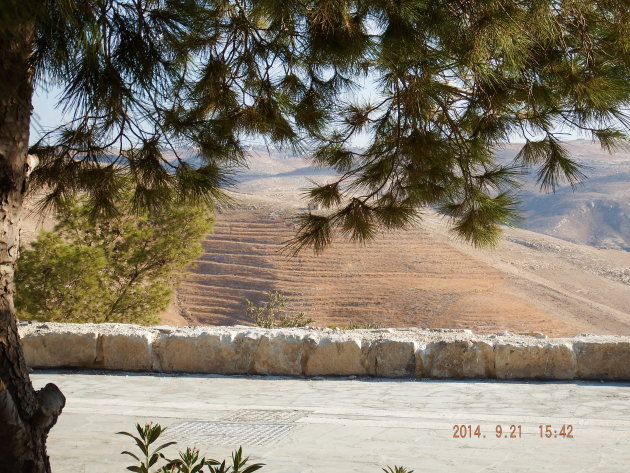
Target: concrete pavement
<point x="346" y="425"/>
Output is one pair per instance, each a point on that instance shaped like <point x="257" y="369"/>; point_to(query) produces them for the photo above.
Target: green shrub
<point x="189" y="460"/>
<point x="353" y="326"/>
<point x="272" y="313"/>
<point x="397" y="469"/>
<point x="121" y="269"/>
<point x="366" y="325"/>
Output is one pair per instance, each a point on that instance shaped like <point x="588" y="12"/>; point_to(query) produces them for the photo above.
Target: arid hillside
<point x="423" y="277"/>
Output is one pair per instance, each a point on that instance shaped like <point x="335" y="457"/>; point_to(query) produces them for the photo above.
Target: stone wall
<point x="391" y="353"/>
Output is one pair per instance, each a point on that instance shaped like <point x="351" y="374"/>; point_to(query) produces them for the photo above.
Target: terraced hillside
<point x="530" y="283"/>
<point x="414" y="278"/>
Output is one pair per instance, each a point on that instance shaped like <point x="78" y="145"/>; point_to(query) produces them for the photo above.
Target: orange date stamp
<point x="513" y="431"/>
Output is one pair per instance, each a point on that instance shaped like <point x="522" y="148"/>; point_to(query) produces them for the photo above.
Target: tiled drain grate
<point x="224" y="433"/>
<point x="257" y="416"/>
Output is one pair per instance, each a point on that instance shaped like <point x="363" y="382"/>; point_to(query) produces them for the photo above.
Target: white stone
<point x="335" y="355"/>
<point x="201" y="352"/>
<point x="390" y="358"/>
<point x="323" y="352"/>
<point x="58" y="349"/>
<point x="541" y="361"/>
<point x="458" y="359"/>
<point x="246" y="344"/>
<point x="128" y="351"/>
<point x="280" y="353"/>
<point x="603" y="360"/>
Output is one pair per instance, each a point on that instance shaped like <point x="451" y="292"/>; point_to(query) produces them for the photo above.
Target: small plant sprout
<point x="147" y="436"/>
<point x="397" y="469"/>
<point x="272" y="313"/>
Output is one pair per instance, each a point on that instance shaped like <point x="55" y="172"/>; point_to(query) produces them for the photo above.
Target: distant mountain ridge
<point x="595" y="213"/>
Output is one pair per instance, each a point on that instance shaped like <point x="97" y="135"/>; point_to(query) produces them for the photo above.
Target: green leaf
<point x="154" y="433"/>
<point x="130" y="454"/>
<point x="327" y="195"/>
<point x="153" y="460"/>
<point x="314" y="231"/>
<point x="163" y="446"/>
<point x="252" y="468"/>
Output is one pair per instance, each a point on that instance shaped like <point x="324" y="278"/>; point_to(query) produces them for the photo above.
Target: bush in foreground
<point x="189" y="461"/>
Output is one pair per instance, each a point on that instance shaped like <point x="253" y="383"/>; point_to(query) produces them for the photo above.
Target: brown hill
<point x="531" y="283"/>
<point x="423" y="277"/>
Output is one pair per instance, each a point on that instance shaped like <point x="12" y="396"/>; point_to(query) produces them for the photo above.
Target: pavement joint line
<point x="349" y="413"/>
<point x="402" y="422"/>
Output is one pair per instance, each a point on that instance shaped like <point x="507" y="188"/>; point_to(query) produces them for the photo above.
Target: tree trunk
<point x="26" y="416"/>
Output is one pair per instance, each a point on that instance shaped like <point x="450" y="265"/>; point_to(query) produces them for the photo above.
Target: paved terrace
<point x="345" y="425"/>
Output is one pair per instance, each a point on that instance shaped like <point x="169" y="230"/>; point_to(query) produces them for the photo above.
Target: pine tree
<point x="121" y="269"/>
<point x="164" y="92"/>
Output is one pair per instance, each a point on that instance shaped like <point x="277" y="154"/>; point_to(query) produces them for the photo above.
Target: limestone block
<point x="295" y="352"/>
<point x="245" y="347"/>
<point x="60" y="348"/>
<point x="279" y="352"/>
<point x="390" y="358"/>
<point x="128" y="350"/>
<point x="334" y="355"/>
<point x="603" y="360"/>
<point x="421" y="369"/>
<point x="458" y="359"/>
<point x="196" y="352"/>
<point x="544" y="361"/>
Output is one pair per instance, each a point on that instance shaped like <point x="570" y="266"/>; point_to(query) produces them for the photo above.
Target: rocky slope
<point x="419" y="278"/>
<point x="423" y="277"/>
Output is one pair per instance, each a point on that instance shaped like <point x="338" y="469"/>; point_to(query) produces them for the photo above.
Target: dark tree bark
<point x="26" y="416"/>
